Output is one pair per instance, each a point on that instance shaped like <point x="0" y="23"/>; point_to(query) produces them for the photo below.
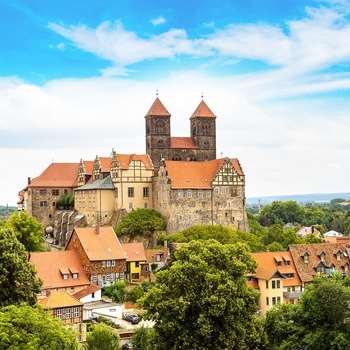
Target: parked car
<point x="131" y="317"/>
<point x="127" y="347"/>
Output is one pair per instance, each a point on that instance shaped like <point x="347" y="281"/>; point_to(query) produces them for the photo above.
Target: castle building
<point x="201" y="192"/>
<point x="200" y="146"/>
<point x="179" y="176"/>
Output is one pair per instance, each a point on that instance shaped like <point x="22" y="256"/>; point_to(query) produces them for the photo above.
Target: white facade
<point x="95" y="296"/>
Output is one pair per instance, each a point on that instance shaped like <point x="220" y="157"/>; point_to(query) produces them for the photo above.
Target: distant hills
<point x="301" y="198"/>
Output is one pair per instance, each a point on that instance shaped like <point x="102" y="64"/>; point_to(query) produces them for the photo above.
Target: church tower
<point x="203" y="131"/>
<point x="157" y="132"/>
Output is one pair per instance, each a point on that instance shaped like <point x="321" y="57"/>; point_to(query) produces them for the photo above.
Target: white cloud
<point x="158" y="21"/>
<point x="284" y="147"/>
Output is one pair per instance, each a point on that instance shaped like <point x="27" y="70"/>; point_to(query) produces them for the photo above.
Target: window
<point x="130" y="206"/>
<point x="278" y="300"/>
<point x="338" y="256"/>
<point x="135" y="276"/>
<point x="55" y="192"/>
<point x="130" y="192"/>
<point x="278" y="284"/>
<point x="146" y="192"/>
<point x="42" y="192"/>
<point x="75" y="276"/>
<point x="273" y="284"/>
<point x="76" y="312"/>
<point x="137" y="264"/>
<point x="94" y="279"/>
<point x="267" y="301"/>
<point x="273" y="300"/>
<point x="113" y="263"/>
<point x="267" y="284"/>
<point x="103" y="263"/>
<point x="93" y="295"/>
<point x="43" y="203"/>
<point x="65" y="191"/>
<point x="189" y="194"/>
<point x="54" y="204"/>
<point x="108" y="263"/>
<point x="306" y="258"/>
<point x="65" y="276"/>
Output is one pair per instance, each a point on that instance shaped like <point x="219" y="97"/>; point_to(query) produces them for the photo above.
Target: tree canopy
<point x="141" y="222"/>
<point x="102" y="337"/>
<point x="144" y="339"/>
<point x="27" y="230"/>
<point x="202" y="301"/>
<point x="320" y="321"/>
<point x="18" y="281"/>
<point x="27" y="328"/>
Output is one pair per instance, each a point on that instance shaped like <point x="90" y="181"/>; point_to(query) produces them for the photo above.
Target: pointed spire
<point x="157" y="109"/>
<point x="203" y="111"/>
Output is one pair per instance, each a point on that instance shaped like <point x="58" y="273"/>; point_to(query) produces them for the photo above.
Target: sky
<point x="77" y="77"/>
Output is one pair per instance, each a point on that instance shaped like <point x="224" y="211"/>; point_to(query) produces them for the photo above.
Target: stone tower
<point x="157" y="132"/>
<point x="203" y="131"/>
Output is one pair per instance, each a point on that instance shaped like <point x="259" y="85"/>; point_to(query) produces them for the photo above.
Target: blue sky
<point x="76" y="77"/>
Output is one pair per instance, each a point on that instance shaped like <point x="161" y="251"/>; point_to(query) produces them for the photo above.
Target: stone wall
<point x="224" y="205"/>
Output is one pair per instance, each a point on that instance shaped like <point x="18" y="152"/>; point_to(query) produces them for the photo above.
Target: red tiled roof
<point x="104" y="245"/>
<point x="203" y="111"/>
<point x="307" y="270"/>
<point x="123" y="159"/>
<point x="196" y="175"/>
<point x="58" y="299"/>
<point x="158" y="109"/>
<point x="134" y="251"/>
<point x="49" y="264"/>
<point x="267" y="266"/>
<point x="92" y="288"/>
<point x="182" y="142"/>
<point x="57" y="175"/>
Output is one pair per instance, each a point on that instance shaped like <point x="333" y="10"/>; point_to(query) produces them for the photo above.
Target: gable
<point x="227" y="175"/>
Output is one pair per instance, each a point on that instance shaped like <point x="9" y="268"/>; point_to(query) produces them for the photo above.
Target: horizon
<point x="77" y="79"/>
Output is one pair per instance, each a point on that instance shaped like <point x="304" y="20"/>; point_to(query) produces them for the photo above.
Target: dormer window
<point x="75" y="276"/>
<point x="346" y="268"/>
<point x="322" y="256"/>
<point x="65" y="276"/>
<point x="305" y="258"/>
<point x="338" y="255"/>
<point x="64" y="273"/>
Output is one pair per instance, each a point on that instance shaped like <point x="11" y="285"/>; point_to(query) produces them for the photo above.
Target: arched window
<point x="160" y="143"/>
<point x="160" y="126"/>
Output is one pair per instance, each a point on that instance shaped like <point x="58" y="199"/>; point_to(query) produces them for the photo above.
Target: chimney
<point x="29" y="180"/>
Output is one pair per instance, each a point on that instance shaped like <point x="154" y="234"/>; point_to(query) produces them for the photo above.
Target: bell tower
<point x="157" y="122"/>
<point x="203" y="131"/>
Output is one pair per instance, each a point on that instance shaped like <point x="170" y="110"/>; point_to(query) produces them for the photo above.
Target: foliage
<point x="138" y="292"/>
<point x="144" y="339"/>
<point x="102" y="337"/>
<point x="116" y="291"/>
<point x="222" y="234"/>
<point x="279" y="212"/>
<point x="107" y="321"/>
<point x="320" y="321"/>
<point x="154" y="267"/>
<point x="202" y="301"/>
<point x="66" y="201"/>
<point x="27" y="328"/>
<point x="28" y="230"/>
<point x="18" y="281"/>
<point x="140" y="222"/>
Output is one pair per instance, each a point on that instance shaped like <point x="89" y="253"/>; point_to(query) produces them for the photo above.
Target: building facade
<point x="100" y="253"/>
<point x="207" y="192"/>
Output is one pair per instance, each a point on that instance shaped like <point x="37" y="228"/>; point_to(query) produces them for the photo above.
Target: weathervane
<point x="202" y="95"/>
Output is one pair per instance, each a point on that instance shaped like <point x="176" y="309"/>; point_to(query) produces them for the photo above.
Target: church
<point x="178" y="176"/>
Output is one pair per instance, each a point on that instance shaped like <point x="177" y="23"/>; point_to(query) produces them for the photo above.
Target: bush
<point x="102" y="337"/>
<point x="138" y="292"/>
<point x="116" y="291"/>
<point x="66" y="201"/>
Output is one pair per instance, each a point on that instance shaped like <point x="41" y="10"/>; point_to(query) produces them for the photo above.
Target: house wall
<point x="87" y="202"/>
<point x="95" y="270"/>
<point x="269" y="293"/>
<point x="89" y="298"/>
<point x="138" y="178"/>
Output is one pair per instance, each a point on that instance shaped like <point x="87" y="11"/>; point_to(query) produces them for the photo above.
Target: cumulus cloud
<point x="284" y="147"/>
<point x="158" y="21"/>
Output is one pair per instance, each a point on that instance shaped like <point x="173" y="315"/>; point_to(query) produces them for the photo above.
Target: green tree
<point x="202" y="301"/>
<point x="28" y="230"/>
<point x="102" y="337"/>
<point x="141" y="222"/>
<point x="144" y="339"/>
<point x="116" y="291"/>
<point x="279" y="212"/>
<point x="66" y="201"/>
<point x="18" y="281"/>
<point x="320" y="321"/>
<point x="25" y="328"/>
